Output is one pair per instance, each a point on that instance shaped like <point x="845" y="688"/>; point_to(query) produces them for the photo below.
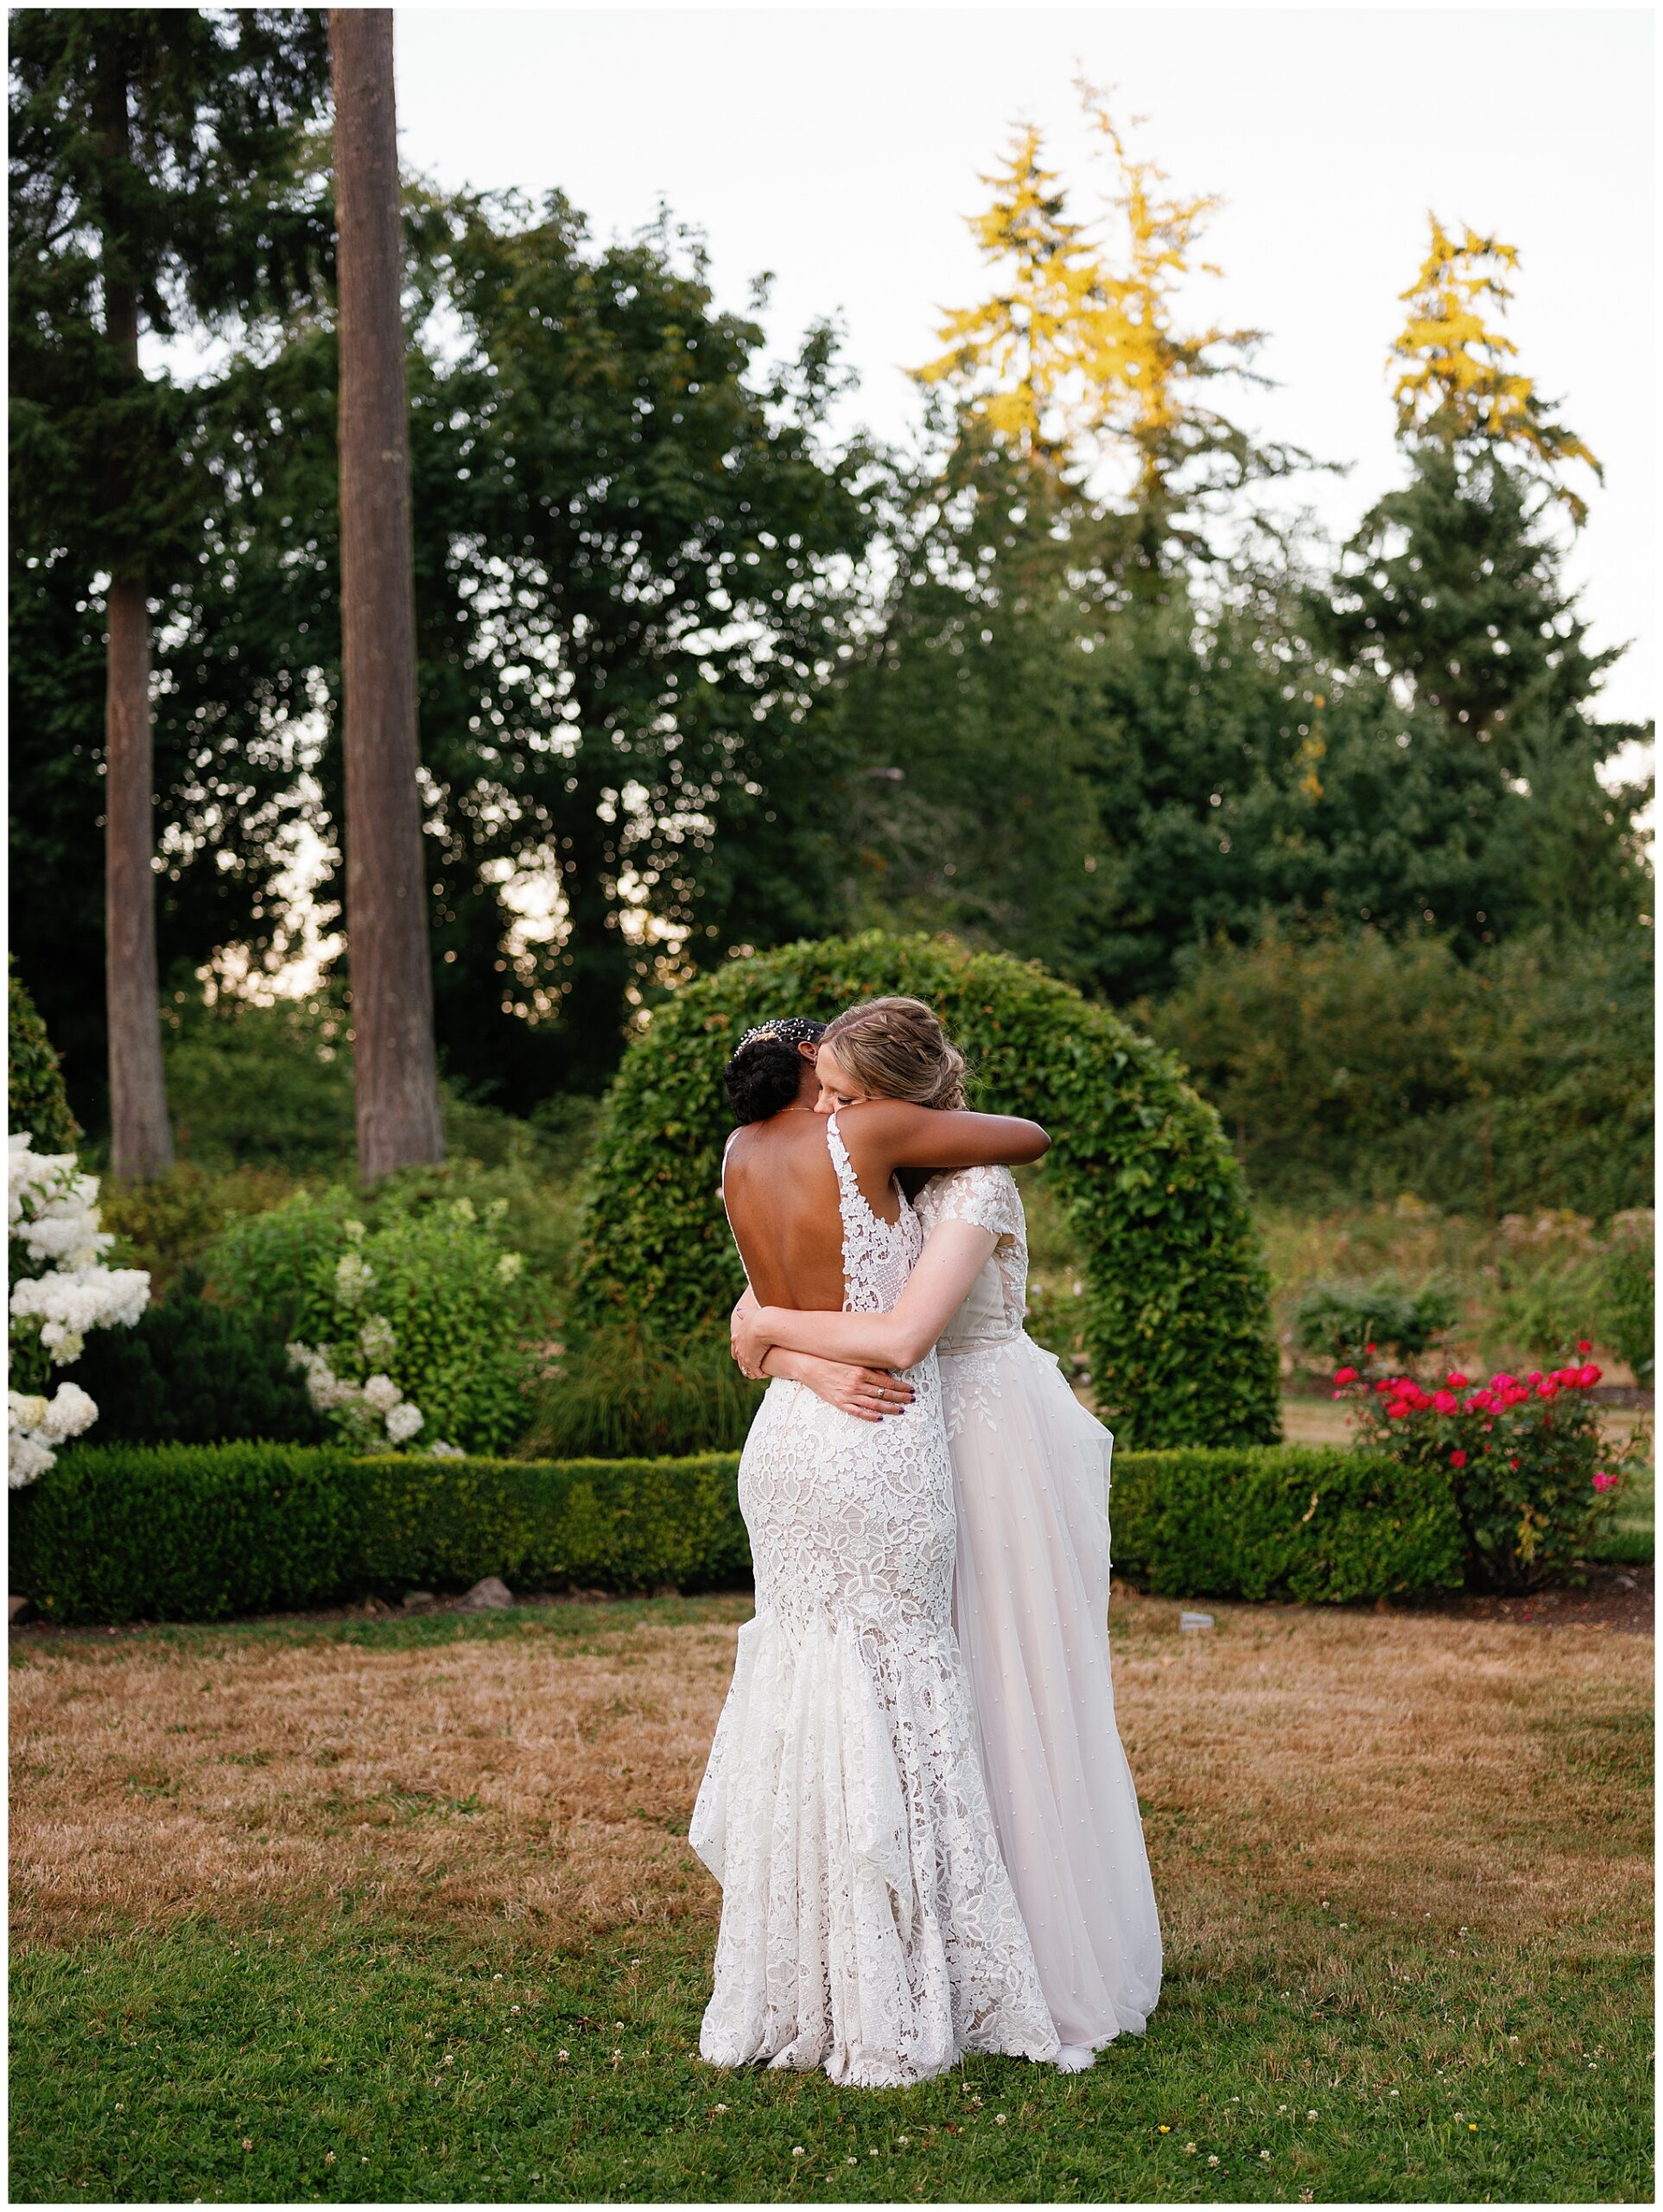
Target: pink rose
<point x="1345" y="1374"/>
<point x="1446" y="1402"/>
<point x="1458" y="1459"/>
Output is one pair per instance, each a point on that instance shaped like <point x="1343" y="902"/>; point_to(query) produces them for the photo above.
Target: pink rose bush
<point x="1532" y="1474"/>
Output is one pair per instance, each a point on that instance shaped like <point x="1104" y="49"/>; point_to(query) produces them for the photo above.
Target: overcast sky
<point x="839" y="148"/>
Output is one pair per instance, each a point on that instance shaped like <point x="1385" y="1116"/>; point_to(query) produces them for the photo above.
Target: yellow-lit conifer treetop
<point x="1453" y="378"/>
<point x="1082" y="343"/>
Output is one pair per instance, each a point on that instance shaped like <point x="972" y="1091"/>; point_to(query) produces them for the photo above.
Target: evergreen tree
<point x="154" y="174"/>
<point x="1453" y="593"/>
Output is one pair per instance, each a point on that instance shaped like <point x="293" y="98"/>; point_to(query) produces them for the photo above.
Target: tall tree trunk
<point x="397" y="1073"/>
<point x="141" y="1142"/>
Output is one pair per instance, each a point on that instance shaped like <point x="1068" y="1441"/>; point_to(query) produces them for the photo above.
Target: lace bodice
<point x="993" y="1311"/>
<point x="878" y="1256"/>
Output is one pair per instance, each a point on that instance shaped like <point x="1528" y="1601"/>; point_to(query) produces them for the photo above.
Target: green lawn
<point x="368" y="2066"/>
<point x="1346" y="2015"/>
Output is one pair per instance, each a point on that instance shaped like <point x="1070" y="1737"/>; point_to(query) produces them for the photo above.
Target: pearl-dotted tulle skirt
<point x="1031" y="1470"/>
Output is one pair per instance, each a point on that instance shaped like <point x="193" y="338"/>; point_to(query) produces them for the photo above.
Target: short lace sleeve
<point x="986" y="1195"/>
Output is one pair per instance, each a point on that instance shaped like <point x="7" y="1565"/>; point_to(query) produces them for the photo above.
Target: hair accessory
<point x="797" y="1029"/>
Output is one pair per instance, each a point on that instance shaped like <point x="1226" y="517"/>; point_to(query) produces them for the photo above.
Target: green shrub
<point x="1346" y="1064"/>
<point x="1332" y="1318"/>
<point x="1175" y="1312"/>
<point x="268" y="1086"/>
<point x="199" y="1532"/>
<point x="1628" y="1305"/>
<point x="189" y="1371"/>
<point x="428" y="1293"/>
<point x="36" y="1101"/>
<point x="1312" y="1525"/>
<point x="618" y="1391"/>
<point x="168" y="1224"/>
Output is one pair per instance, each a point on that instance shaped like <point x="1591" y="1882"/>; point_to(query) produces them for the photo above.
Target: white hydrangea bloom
<point x="35" y="1425"/>
<point x="377" y="1340"/>
<point x="510" y="1265"/>
<point x="383" y="1393"/>
<point x="441" y="1450"/>
<point x="353" y="1276"/>
<point x="52" y="1221"/>
<point x="403" y="1420"/>
<point x="323" y="1386"/>
<point x="70" y="1302"/>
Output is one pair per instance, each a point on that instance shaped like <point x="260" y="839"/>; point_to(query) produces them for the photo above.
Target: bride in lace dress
<point x="868" y="1924"/>
<point x="1031" y="1471"/>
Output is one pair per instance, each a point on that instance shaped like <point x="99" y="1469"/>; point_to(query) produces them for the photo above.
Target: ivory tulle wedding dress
<point x="1031" y="1470"/>
<point x="868" y="1922"/>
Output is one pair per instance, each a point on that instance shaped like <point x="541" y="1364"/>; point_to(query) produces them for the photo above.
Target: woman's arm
<point x="954" y="1257"/>
<point x="858" y="1390"/>
<point x="932" y="1136"/>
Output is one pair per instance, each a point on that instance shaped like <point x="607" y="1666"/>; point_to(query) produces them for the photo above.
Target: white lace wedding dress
<point x="1031" y="1470"/>
<point x="868" y="1924"/>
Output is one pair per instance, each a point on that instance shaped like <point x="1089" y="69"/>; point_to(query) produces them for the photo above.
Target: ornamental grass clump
<point x="1532" y="1475"/>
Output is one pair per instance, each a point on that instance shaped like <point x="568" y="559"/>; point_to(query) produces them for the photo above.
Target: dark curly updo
<point x="764" y="1075"/>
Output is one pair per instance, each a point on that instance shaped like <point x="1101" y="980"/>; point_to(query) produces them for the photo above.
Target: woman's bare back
<point x="781" y="1187"/>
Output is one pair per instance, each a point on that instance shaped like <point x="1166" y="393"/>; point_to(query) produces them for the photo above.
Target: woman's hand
<point x="744" y="1313"/>
<point x="747" y="1338"/>
<point x="868" y="1393"/>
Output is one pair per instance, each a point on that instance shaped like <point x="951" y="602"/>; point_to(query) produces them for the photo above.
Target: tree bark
<point x="395" y="1072"/>
<point x="141" y="1142"/>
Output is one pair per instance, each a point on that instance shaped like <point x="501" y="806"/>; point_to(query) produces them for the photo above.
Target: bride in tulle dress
<point x="1031" y="1471"/>
<point x="868" y="1924"/>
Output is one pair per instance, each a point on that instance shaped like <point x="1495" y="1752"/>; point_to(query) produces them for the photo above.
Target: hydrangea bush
<point x="1532" y="1474"/>
<point x="61" y="1289"/>
<point x="416" y="1329"/>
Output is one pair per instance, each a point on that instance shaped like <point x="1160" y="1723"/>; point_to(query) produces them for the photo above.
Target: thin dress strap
<point x="878" y="1255"/>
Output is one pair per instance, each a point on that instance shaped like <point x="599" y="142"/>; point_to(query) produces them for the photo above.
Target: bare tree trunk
<point x="141" y="1142"/>
<point x="397" y="1073"/>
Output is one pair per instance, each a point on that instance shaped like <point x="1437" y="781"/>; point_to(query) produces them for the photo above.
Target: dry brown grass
<point x="1484" y="1775"/>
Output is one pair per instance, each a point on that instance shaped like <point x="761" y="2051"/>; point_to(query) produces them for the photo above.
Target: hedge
<point x="1303" y="1523"/>
<point x="1176" y="1307"/>
<point x="201" y="1532"/>
<point x="123" y="1532"/>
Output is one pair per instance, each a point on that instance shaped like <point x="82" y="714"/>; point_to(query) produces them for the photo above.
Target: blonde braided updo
<point x="896" y="1048"/>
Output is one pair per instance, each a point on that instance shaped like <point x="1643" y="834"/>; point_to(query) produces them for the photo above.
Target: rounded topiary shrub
<point x="1177" y="1318"/>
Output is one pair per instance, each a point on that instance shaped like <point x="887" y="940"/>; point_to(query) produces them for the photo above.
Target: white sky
<point x="838" y="147"/>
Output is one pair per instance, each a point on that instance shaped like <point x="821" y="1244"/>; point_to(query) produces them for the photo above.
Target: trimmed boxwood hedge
<point x="1176" y="1307"/>
<point x="202" y="1532"/>
<point x="1316" y="1526"/>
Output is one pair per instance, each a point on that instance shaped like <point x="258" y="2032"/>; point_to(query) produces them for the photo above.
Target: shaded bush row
<point x="117" y="1533"/>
